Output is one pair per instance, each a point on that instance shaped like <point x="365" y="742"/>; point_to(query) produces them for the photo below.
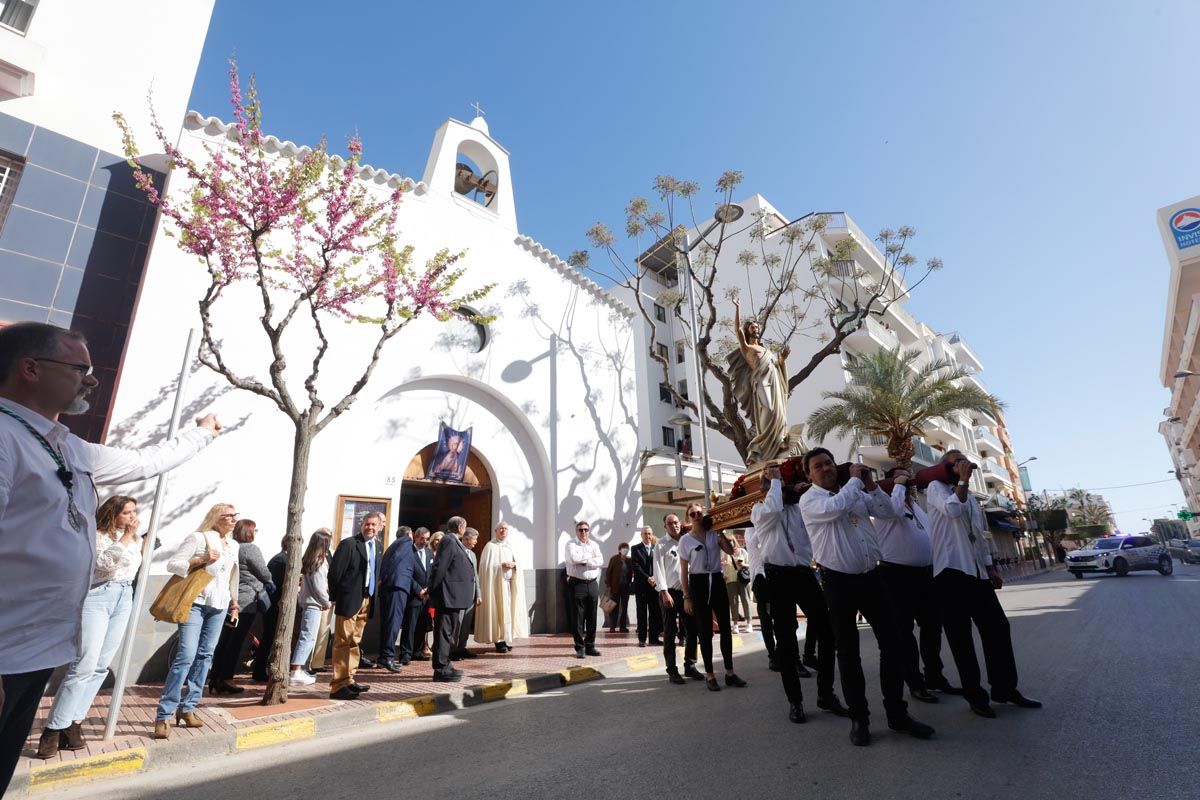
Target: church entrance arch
<point x="430" y="503"/>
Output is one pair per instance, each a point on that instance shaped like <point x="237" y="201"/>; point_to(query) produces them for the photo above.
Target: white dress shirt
<point x="779" y="533"/>
<point x="224" y="586"/>
<point x="702" y="556"/>
<point x="666" y="564"/>
<point x="952" y="523"/>
<point x="115" y="561"/>
<point x="583" y="561"/>
<point x="839" y="525"/>
<point x="46" y="564"/>
<point x="905" y="538"/>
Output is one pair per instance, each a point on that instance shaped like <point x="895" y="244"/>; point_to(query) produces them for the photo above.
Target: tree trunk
<point x="901" y="450"/>
<point x="279" y="671"/>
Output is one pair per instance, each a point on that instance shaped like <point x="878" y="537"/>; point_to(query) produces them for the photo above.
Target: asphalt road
<point x="1114" y="659"/>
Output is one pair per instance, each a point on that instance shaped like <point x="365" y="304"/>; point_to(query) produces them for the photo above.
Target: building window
<point x="10" y="175"/>
<point x="16" y="14"/>
<point x="664" y="393"/>
<point x="668" y="434"/>
<point x="660" y="313"/>
<point x="680" y="352"/>
<point x="682" y="387"/>
<point x="662" y="350"/>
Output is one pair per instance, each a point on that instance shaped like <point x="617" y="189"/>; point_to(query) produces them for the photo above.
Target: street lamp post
<point x="724" y="214"/>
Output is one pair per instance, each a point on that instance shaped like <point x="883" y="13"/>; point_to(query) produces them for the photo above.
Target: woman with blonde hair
<point x="105" y="615"/>
<point x="211" y="548"/>
<point x="313" y="602"/>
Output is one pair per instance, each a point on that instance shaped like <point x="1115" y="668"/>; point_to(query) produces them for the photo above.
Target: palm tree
<point x="889" y="396"/>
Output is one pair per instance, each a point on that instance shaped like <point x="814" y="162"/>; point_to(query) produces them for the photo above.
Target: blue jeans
<point x="105" y="614"/>
<point x="193" y="656"/>
<point x="310" y="622"/>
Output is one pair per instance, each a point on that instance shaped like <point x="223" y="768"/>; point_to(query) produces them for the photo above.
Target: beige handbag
<point x="174" y="602"/>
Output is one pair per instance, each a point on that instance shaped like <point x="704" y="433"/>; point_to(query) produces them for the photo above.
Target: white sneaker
<point x="302" y="678"/>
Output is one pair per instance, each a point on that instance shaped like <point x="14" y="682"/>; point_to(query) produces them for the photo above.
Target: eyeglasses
<point x="695" y="513"/>
<point x="84" y="370"/>
<point x="584" y="529"/>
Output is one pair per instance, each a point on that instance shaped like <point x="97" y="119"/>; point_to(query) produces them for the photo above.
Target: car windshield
<point x="1105" y="544"/>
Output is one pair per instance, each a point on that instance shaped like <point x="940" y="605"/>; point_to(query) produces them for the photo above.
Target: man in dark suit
<point x="353" y="578"/>
<point x="451" y="591"/>
<point x="645" y="591"/>
<point x="395" y="580"/>
<point x="416" y="617"/>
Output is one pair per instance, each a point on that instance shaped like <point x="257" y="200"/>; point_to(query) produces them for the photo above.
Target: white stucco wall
<point x="552" y="398"/>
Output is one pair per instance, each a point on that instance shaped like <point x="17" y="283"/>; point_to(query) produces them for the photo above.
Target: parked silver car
<point x="1120" y="555"/>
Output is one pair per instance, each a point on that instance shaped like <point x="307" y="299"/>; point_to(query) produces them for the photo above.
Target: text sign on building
<point x="1185" y="225"/>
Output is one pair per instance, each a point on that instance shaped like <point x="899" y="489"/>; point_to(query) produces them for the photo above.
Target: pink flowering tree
<point x="316" y="247"/>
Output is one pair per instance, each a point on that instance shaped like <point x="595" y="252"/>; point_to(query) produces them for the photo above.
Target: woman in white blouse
<point x="704" y="596"/>
<point x="212" y="548"/>
<point x="105" y="615"/>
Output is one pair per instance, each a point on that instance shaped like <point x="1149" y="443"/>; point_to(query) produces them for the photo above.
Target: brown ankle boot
<point x="73" y="737"/>
<point x="49" y="743"/>
<point x="161" y="729"/>
<point x="188" y="719"/>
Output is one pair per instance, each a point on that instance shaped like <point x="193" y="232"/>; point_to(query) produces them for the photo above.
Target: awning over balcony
<point x="1000" y="522"/>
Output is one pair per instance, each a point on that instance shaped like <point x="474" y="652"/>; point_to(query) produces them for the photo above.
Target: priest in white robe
<point x="502" y="616"/>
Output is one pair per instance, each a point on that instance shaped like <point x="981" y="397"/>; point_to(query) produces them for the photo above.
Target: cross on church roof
<point x="478" y="109"/>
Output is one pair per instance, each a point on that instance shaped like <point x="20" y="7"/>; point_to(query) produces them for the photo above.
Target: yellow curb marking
<point x="276" y="733"/>
<point x="108" y="765"/>
<point x="412" y="708"/>
<point x="578" y="675"/>
<point x="503" y="689"/>
<point x="639" y="663"/>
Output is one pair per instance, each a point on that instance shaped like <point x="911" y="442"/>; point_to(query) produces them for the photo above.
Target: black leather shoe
<point x="404" y="662"/>
<point x="712" y="684"/>
<point x="451" y="675"/>
<point x="655" y="642"/>
<point x="578" y="653"/>
<point x="344" y="693"/>
<point x="772" y="665"/>
<point x="942" y="685"/>
<point x="641" y="642"/>
<point x="591" y="651"/>
<point x="693" y="673"/>
<point x="802" y="671"/>
<point x="390" y="666"/>
<point x="796" y="714"/>
<point x="420" y="657"/>
<point x="832" y="705"/>
<point x="809" y="661"/>
<point x="465" y="654"/>
<point x="676" y="678"/>
<point x="366" y="663"/>
<point x="361" y="687"/>
<point x="501" y="647"/>
<point x="983" y="710"/>
<point x="735" y="682"/>
<point x="860" y="733"/>
<point x="455" y="657"/>
<point x="906" y="724"/>
<point x="924" y="695"/>
<point x="1017" y="699"/>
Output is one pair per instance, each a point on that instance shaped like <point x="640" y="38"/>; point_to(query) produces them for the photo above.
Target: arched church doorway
<point x="430" y="503"/>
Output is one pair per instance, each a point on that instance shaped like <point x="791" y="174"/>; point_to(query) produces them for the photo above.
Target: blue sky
<point x="1029" y="143"/>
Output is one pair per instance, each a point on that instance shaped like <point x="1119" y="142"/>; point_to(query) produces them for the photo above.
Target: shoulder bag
<point x="174" y="601"/>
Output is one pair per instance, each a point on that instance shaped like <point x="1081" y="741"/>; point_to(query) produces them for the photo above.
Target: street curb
<point x="41" y="779"/>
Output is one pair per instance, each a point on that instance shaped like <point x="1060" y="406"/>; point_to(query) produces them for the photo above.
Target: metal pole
<point x="691" y="298"/>
<point x="139" y="592"/>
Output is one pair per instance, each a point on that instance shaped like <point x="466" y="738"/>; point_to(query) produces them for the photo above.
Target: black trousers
<point x="229" y="648"/>
<point x="416" y="616"/>
<point x="675" y="619"/>
<point x="444" y="625"/>
<point x="762" y="607"/>
<point x="848" y="595"/>
<point x="709" y="599"/>
<point x="392" y="606"/>
<point x="914" y="601"/>
<point x="464" y="630"/>
<point x="789" y="587"/>
<point x="649" y="616"/>
<point x="22" y="693"/>
<point x="584" y="597"/>
<point x="262" y="655"/>
<point x="966" y="599"/>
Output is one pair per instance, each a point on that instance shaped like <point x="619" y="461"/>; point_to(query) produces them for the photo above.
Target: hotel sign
<point x="1185" y="226"/>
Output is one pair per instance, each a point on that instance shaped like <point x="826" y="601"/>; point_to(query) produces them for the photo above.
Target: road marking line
<point x="639" y="663"/>
<point x="737" y="642"/>
<point x="503" y="689"/>
<point x="276" y="733"/>
<point x="412" y="708"/>
<point x="108" y="765"/>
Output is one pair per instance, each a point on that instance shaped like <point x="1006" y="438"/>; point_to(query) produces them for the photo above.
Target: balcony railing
<point x="986" y="437"/>
<point x="922" y="452"/>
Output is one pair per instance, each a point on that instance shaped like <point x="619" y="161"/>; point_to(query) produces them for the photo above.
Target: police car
<point x="1120" y="555"/>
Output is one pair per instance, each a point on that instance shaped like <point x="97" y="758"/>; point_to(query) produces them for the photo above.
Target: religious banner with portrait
<point x="449" y="462"/>
<point x="353" y="509"/>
